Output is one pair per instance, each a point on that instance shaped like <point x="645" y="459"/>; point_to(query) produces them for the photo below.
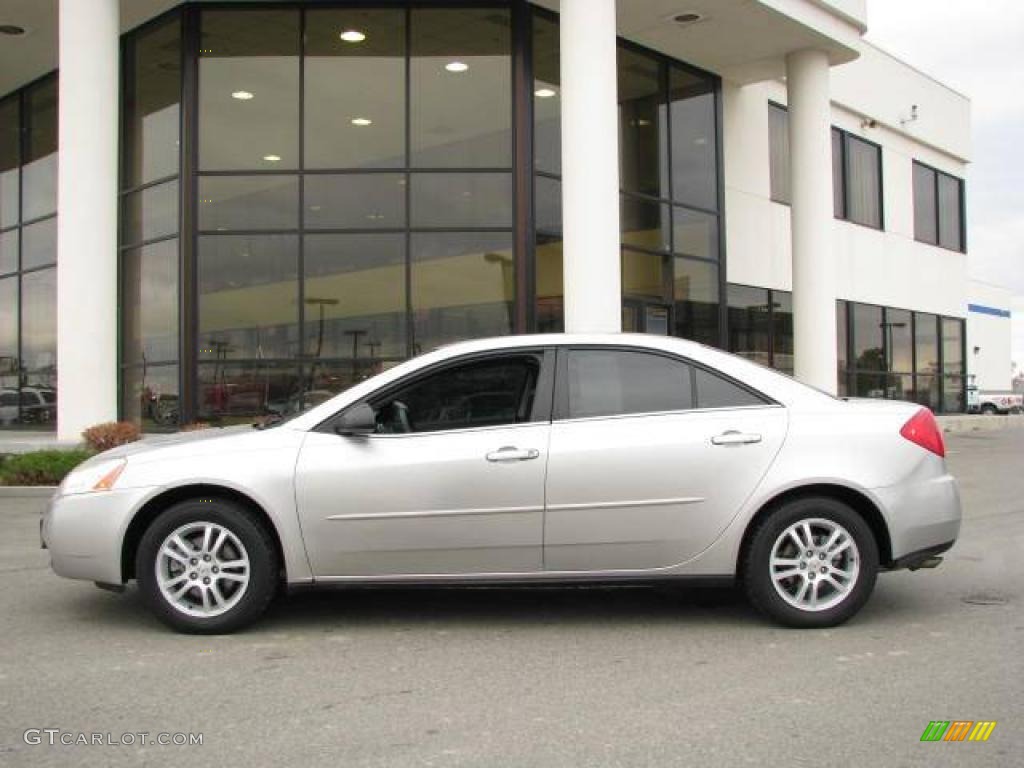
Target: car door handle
<point x="511" y="453"/>
<point x="732" y="437"/>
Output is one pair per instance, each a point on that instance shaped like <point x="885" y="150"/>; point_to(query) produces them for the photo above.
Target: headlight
<point x="95" y="477"/>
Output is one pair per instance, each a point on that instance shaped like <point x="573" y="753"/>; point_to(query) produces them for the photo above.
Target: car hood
<point x="152" y="443"/>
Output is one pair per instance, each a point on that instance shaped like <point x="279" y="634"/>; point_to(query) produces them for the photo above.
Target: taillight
<point x="923" y="430"/>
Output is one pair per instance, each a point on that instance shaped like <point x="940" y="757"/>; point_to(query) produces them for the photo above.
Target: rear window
<point x="717" y="392"/>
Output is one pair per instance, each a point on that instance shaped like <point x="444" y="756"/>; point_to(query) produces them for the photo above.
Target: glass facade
<point x="761" y="325"/>
<point x="669" y="176"/>
<point x="898" y="354"/>
<point x="28" y="256"/>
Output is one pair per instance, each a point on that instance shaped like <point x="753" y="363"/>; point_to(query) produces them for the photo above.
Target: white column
<point x="814" y="271"/>
<point x="87" y="216"/>
<point x="590" y="167"/>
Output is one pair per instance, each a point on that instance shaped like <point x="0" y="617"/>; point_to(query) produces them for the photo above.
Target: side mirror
<point x="358" y="421"/>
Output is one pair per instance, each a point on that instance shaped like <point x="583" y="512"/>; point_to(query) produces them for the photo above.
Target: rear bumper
<point x="922" y="516"/>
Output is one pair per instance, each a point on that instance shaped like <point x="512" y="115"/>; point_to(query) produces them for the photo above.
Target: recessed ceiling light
<point x="362" y="121"/>
<point x="272" y="158"/>
<point x="13" y="30"/>
<point x="352" y="36"/>
<point x="544" y="93"/>
<point x="242" y="95"/>
<point x="456" y="66"/>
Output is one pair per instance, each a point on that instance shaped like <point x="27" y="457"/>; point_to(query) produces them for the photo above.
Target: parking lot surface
<point x="556" y="677"/>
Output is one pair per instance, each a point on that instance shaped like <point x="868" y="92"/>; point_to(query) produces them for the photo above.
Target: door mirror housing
<point x="360" y="420"/>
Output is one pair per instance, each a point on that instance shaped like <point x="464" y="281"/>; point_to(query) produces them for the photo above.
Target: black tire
<point x="259" y="548"/>
<point x="757" y="571"/>
<point x="989" y="410"/>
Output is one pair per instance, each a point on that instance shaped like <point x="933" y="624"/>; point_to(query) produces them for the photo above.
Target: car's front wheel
<point x="811" y="563"/>
<point x="207" y="566"/>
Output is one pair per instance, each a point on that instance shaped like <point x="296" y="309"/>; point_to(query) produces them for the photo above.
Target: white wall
<point x="991" y="335"/>
<point x="880" y="267"/>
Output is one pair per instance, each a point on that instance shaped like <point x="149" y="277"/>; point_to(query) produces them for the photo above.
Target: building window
<point x="150" y="224"/>
<point x="761" y="325"/>
<point x="28" y="256"/>
<point x="938" y="208"/>
<point x="778" y="152"/>
<point x="669" y="177"/>
<point x="856" y="179"/>
<point x="898" y="354"/>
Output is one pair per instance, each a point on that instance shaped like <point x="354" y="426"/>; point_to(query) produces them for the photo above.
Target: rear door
<point x="650" y="458"/>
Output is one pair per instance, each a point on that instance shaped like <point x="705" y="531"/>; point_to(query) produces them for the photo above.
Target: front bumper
<point x="922" y="515"/>
<point x="84" y="532"/>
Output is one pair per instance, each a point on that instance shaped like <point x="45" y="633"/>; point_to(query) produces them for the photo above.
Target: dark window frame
<point x="962" y="196"/>
<point x="844" y="214"/>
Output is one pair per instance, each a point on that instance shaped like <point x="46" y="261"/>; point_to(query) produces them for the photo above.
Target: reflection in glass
<point x="864" y="182"/>
<point x="782" y="331"/>
<point x="355" y="201"/>
<point x="235" y="392"/>
<point x="643" y="143"/>
<point x="899" y="341"/>
<point x="39" y="327"/>
<point x="8" y="251"/>
<point x="547" y="204"/>
<point x="643" y="274"/>
<point x="355" y="81"/>
<point x="926" y="391"/>
<point x="842" y="339"/>
<point x="150" y="397"/>
<point x="39" y="174"/>
<point x="778" y="153"/>
<point x="644" y="223"/>
<point x="8" y="341"/>
<point x="749" y="330"/>
<point x="10" y="132"/>
<point x="925" y="220"/>
<point x="152" y="93"/>
<point x="461" y="200"/>
<point x="838" y="175"/>
<point x="952" y="345"/>
<point x="867" y="337"/>
<point x="462" y="287"/>
<point x="696" y="301"/>
<point x="249" y="89"/>
<point x="950" y="230"/>
<point x="39" y="243"/>
<point x="355" y="297"/>
<point x="149" y="301"/>
<point x="694" y="233"/>
<point x="694" y="150"/>
<point x="926" y="343"/>
<point x="953" y="394"/>
<point x="248" y="296"/>
<point x="548" y="252"/>
<point x="150" y="214"/>
<point x="248" y="202"/>
<point x="461" y="81"/>
<point x="547" y="99"/>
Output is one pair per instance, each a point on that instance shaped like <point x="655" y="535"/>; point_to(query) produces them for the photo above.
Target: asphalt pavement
<point x="556" y="677"/>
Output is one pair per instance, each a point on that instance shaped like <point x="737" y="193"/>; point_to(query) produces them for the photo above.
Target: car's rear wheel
<point x="811" y="563"/>
<point x="207" y="566"/>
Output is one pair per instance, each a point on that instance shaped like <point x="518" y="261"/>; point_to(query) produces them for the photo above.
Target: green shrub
<point x="103" y="437"/>
<point x="40" y="467"/>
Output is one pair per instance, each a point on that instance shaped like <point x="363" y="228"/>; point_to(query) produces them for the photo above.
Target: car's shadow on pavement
<point x="439" y="607"/>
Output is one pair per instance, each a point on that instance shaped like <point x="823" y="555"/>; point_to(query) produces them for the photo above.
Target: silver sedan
<point x="524" y="460"/>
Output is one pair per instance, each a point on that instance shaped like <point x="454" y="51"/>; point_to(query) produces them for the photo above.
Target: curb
<point x="27" y="491"/>
<point x="967" y="424"/>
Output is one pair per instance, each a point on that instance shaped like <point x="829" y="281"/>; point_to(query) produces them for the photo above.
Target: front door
<point x="451" y="483"/>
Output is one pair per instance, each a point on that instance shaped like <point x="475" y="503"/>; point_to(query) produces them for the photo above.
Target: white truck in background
<point x="991" y="402"/>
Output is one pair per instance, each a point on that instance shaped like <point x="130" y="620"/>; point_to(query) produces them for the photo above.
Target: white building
<point x="291" y="196"/>
<point x="989" y="336"/>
